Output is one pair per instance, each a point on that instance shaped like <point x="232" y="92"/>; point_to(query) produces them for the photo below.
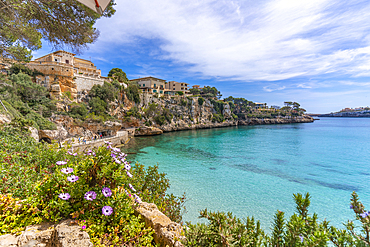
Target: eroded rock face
<point x="34" y="133"/>
<point x="59" y="134"/>
<point x="167" y="233"/>
<point x="148" y="131"/>
<point x="64" y="234"/>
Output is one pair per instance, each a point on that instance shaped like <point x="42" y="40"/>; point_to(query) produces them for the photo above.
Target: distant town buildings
<point x="177" y="87"/>
<point x="155" y="85"/>
<point x="151" y="84"/>
<point x="259" y="105"/>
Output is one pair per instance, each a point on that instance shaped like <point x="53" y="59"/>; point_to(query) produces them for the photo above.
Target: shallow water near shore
<point x="254" y="170"/>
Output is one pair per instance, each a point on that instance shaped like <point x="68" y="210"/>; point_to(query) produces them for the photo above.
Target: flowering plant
<point x="95" y="189"/>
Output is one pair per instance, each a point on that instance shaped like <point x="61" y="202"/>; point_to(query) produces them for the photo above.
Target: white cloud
<point x="273" y="88"/>
<point x="248" y="40"/>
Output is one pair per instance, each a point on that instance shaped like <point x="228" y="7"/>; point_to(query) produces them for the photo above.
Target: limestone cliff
<point x="184" y="113"/>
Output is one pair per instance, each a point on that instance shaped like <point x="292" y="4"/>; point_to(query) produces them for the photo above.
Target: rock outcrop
<point x="64" y="234"/>
<point x="167" y="233"/>
<point x="187" y="113"/>
<point x="4" y="119"/>
<point x="147" y="131"/>
<point x="258" y="121"/>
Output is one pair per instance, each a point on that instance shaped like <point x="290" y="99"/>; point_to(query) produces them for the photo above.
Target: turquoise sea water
<point x="254" y="170"/>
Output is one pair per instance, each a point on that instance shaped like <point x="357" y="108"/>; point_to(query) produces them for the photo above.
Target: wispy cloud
<point x="247" y="40"/>
<point x="272" y="88"/>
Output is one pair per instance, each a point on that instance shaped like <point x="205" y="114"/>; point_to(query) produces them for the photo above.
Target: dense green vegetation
<point x="54" y="184"/>
<point x="300" y="229"/>
<point x="26" y="100"/>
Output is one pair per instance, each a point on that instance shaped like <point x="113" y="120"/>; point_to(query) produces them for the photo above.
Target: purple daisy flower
<point x="301" y="237"/>
<point x="67" y="170"/>
<point x="108" y="142"/>
<point x="117" y="161"/>
<point x="90" y="195"/>
<point x="127" y="166"/>
<point x="83" y="227"/>
<point x="60" y="163"/>
<point x="113" y="155"/>
<point x="364" y="214"/>
<point x="117" y="150"/>
<point x="106" y="192"/>
<point x="107" y="210"/>
<point x="64" y="196"/>
<point x="351" y="206"/>
<point x="90" y="152"/>
<point x="72" y="178"/>
<point x="137" y="199"/>
<point x="70" y="153"/>
<point x="131" y="187"/>
<point x="129" y="174"/>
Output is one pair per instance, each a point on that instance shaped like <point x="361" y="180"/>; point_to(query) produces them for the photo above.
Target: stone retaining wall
<point x="86" y="83"/>
<point x="120" y="138"/>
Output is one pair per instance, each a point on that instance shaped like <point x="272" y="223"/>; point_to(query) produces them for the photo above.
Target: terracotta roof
<point x="148" y="77"/>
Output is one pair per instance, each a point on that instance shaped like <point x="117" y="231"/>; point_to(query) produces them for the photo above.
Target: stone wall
<point x="86" y="83"/>
<point x="64" y="234"/>
<point x="167" y="232"/>
<point x="120" y="138"/>
<point x="67" y="234"/>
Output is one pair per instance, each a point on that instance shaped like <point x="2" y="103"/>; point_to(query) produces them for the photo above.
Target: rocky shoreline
<point x="149" y="131"/>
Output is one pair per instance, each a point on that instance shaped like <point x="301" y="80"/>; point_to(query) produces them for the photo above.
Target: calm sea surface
<point x="254" y="170"/>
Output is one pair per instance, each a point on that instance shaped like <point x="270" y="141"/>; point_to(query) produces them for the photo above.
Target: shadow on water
<point x="306" y="181"/>
<point x="280" y="161"/>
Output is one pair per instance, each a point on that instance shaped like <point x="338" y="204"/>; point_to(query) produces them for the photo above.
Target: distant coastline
<point x="343" y="114"/>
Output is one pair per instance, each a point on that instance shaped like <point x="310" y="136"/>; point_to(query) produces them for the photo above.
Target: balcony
<point x="50" y="63"/>
<point x="82" y="65"/>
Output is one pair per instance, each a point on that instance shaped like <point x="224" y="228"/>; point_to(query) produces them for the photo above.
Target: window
<point x="52" y="68"/>
<point x="155" y="85"/>
<point x="67" y="61"/>
<point x="154" y="91"/>
<point x="144" y="85"/>
<point x="56" y="60"/>
<point x="160" y="91"/>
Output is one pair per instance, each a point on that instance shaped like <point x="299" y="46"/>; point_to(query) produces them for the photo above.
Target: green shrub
<point x="98" y="106"/>
<point x="41" y="122"/>
<point x="68" y="94"/>
<point x="134" y="111"/>
<point x="224" y="230"/>
<point x="200" y="100"/>
<point x="151" y="110"/>
<point x="183" y="102"/>
<point x="159" y="119"/>
<point x="133" y="92"/>
<point x="219" y="118"/>
<point x="167" y="114"/>
<point x="78" y="111"/>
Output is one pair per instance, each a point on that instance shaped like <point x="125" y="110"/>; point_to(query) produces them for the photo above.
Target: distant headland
<point x="346" y="112"/>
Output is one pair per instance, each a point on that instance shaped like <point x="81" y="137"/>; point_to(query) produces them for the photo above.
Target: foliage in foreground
<point x="98" y="189"/>
<point x="301" y="229"/>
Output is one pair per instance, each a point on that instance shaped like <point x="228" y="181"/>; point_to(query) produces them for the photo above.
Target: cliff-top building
<point x="65" y="72"/>
<point x="151" y="84"/>
<point x="177" y="87"/>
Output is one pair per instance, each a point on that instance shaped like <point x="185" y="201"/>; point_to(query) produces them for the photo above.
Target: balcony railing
<point x="50" y="63"/>
<point x="82" y="65"/>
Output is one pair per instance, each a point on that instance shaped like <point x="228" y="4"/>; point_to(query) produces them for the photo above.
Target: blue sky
<point x="315" y="52"/>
